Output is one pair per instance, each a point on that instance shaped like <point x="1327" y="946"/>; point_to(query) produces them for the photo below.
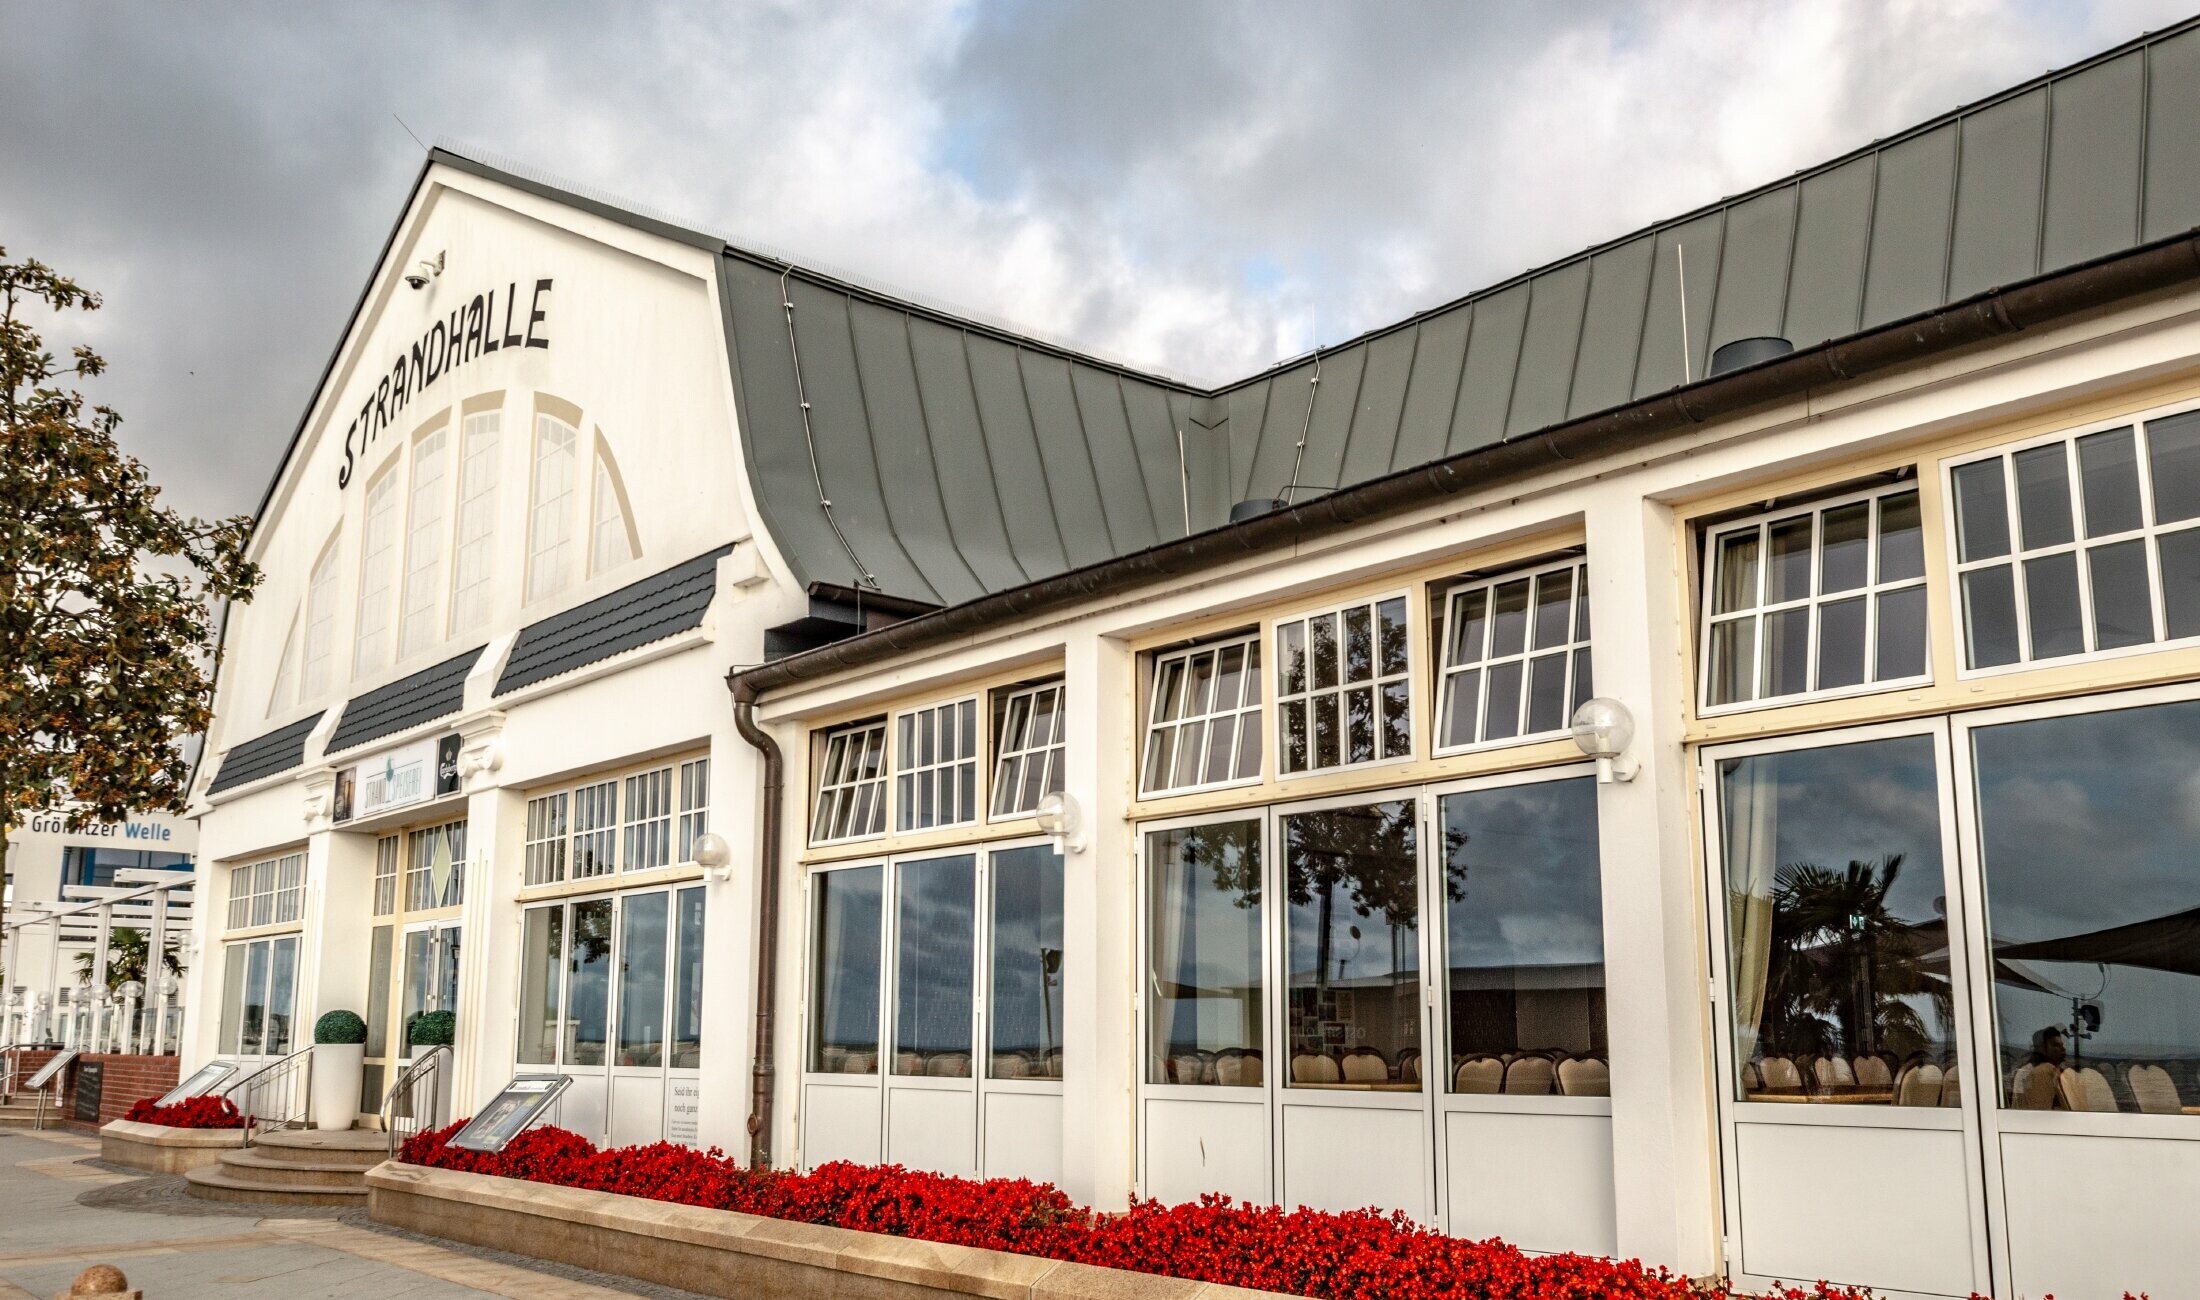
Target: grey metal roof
<point x="660" y="605"/>
<point x="278" y="751"/>
<point x="424" y="696"/>
<point x="960" y="460"/>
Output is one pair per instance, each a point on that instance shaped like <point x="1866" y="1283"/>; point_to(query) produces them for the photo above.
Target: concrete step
<point x="342" y="1149"/>
<point x="219" y="1183"/>
<point x="265" y="1168"/>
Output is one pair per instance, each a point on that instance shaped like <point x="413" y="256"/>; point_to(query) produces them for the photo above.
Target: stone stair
<point x="21" y="1111"/>
<point x="293" y="1167"/>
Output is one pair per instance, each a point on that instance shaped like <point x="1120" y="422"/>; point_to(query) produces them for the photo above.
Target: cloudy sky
<point x="1198" y="188"/>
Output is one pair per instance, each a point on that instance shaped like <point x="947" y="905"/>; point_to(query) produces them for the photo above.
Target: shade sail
<point x="2167" y="943"/>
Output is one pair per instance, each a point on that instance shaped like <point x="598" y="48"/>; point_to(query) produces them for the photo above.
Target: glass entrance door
<point x="430" y="987"/>
<point x="1851" y="1149"/>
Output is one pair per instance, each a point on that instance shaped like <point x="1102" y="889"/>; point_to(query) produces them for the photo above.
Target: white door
<point x="1850" y="1136"/>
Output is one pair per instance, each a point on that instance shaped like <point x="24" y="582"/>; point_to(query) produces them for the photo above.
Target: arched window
<point x="285" y="693"/>
<point x="550" y="508"/>
<point x="610" y="535"/>
<point x="377" y="575"/>
<point x="320" y="624"/>
<point x="428" y="517"/>
<point x="480" y="441"/>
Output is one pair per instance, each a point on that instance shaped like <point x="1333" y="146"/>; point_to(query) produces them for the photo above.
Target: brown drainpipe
<point x="767" y="920"/>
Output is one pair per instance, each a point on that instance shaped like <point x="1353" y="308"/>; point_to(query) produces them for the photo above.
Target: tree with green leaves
<point x="107" y="598"/>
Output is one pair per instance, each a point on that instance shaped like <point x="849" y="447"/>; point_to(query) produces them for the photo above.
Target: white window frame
<point x="549" y="831"/>
<point x="1447" y="673"/>
<point x="624" y="818"/>
<point x="1252" y="698"/>
<point x="645" y="825"/>
<point x="550" y="523"/>
<point x="1014" y="741"/>
<point x="946" y="771"/>
<point x="320" y="624"/>
<point x="474" y="523"/>
<point x="595" y="815"/>
<point x="418" y="883"/>
<point x="386" y="851"/>
<point x="694" y="819"/>
<point x="2148" y="532"/>
<point x="1376" y="684"/>
<point x="267" y="892"/>
<point x="381" y="553"/>
<point x="608" y="515"/>
<point x="1870" y="593"/>
<point x="876" y="733"/>
<point x="427" y="522"/>
<point x="285" y="693"/>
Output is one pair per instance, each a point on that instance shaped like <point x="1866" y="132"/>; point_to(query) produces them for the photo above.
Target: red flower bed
<point x="1307" y="1252"/>
<point x="191" y="1112"/>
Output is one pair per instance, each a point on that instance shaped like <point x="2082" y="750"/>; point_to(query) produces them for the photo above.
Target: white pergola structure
<point x="156" y="901"/>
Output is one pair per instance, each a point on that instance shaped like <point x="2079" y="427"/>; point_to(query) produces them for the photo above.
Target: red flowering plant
<point x="191" y="1112"/>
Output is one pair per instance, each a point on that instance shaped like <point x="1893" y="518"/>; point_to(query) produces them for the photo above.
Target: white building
<point x="1867" y="956"/>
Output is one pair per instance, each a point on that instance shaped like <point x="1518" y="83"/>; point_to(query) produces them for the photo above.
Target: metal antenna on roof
<point x="1313" y="388"/>
<point x="1680" y="260"/>
<point x="786" y="304"/>
<point x="1183" y="481"/>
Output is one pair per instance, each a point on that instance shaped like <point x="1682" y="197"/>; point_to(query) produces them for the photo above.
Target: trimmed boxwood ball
<point x="434" y="1029"/>
<point x="343" y="1027"/>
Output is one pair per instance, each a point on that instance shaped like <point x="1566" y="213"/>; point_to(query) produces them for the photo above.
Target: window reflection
<point x="1524" y="939"/>
<point x="1027" y="963"/>
<point x="844" y="1001"/>
<point x="2091" y="846"/>
<point x="642" y="980"/>
<point x="935" y="927"/>
<point x="1837" y="935"/>
<point x="687" y="991"/>
<point x="541" y="950"/>
<point x="588" y="983"/>
<point x="1354" y="936"/>
<point x="1204" y="954"/>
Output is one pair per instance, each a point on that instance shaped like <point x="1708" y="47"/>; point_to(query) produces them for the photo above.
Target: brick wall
<point x="125" y="1079"/>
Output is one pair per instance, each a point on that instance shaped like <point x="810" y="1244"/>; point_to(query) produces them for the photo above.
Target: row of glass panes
<point x="267" y="893"/>
<point x="1516" y="656"/>
<point x="574" y="974"/>
<point x="1342" y="692"/>
<point x="935" y="766"/>
<point x="435" y="867"/>
<point x="2082" y="544"/>
<point x="576" y="834"/>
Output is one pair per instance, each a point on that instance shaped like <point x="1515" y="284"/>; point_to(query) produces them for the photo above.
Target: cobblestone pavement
<point x="62" y="1210"/>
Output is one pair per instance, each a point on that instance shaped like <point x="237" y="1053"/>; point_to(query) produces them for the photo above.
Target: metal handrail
<point x="428" y="1069"/>
<point x="11" y="1070"/>
<point x="295" y="1072"/>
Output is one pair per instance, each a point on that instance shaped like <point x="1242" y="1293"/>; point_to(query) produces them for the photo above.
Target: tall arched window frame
<point x="285" y="693"/>
<point x="611" y="540"/>
<point x="320" y="624"/>
<point x="552" y="500"/>
<point x="378" y="560"/>
<point x="473" y="560"/>
<point x="428" y="509"/>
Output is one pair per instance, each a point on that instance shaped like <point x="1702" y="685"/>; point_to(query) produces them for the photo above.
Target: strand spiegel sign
<point x="426" y="769"/>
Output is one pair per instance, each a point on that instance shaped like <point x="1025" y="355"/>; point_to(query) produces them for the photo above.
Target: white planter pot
<point x="337" y="1071"/>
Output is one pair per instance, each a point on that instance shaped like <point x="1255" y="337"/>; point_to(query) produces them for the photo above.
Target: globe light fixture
<point x="1057" y="816"/>
<point x="1603" y="728"/>
<point x="132" y="990"/>
<point x="712" y="854"/>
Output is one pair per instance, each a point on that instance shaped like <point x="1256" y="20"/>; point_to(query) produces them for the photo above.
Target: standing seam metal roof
<point x="960" y="460"/>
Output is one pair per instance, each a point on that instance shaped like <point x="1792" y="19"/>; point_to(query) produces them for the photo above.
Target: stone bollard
<point x="104" y="1280"/>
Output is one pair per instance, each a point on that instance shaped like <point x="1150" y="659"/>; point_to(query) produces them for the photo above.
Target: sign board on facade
<point x="50" y="1071"/>
<point x="202" y="1081"/>
<point x="515" y="1109"/>
<point x="684" y="1114"/>
<point x="409" y="774"/>
<point x="91" y="1078"/>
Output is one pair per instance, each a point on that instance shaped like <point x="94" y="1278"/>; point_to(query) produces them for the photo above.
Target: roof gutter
<point x="1993" y="314"/>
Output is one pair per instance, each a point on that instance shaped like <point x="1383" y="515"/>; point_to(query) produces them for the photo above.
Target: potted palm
<point x="339" y="1063"/>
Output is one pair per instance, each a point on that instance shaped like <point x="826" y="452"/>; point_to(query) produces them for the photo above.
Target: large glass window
<point x="649" y="820"/>
<point x="542" y="951"/>
<point x="473" y="565"/>
<point x="851" y="785"/>
<point x="377" y="575"/>
<point x="544" y="850"/>
<point x="1343" y="694"/>
<point x="1524" y="939"/>
<point x="935" y="929"/>
<point x="259" y="985"/>
<point x="1027" y="763"/>
<point x="1026" y="1005"/>
<point x="1203" y="944"/>
<point x="687" y="985"/>
<point x="2080" y="545"/>
<point x="936" y="766"/>
<point x="844" y="998"/>
<point x="642" y="959"/>
<point x="271" y="892"/>
<point x="1203" y="722"/>
<point x="320" y="628"/>
<point x="1516" y="656"/>
<point x="1837" y="930"/>
<point x="435" y="867"/>
<point x="550" y="508"/>
<point x="420" y="621"/>
<point x="2089" y="829"/>
<point x="595" y="829"/>
<point x="1353" y="941"/>
<point x="1826" y="598"/>
<point x="588" y="983"/>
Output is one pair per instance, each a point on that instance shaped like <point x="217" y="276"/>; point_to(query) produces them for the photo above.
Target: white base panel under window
<point x="637" y="1109"/>
<point x="1196" y="1147"/>
<point x="932" y="1129"/>
<point x="840" y="1121"/>
<point x="1879" y="1207"/>
<point x="2091" y="1218"/>
<point x="1023" y="1136"/>
<point x="581" y="1110"/>
<point x="1541" y="1182"/>
<point x="1353" y="1158"/>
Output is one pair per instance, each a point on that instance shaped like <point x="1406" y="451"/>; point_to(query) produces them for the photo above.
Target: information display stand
<point x="514" y="1110"/>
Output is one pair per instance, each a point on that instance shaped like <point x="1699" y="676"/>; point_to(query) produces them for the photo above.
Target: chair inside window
<point x="1237" y="1068"/>
<point x="2035" y="1087"/>
<point x="1315" y="1067"/>
<point x="1951" y="1086"/>
<point x="1781" y="1075"/>
<point x="1833" y="1072"/>
<point x="1920" y="1086"/>
<point x="1189" y="1067"/>
<point x="949" y="1065"/>
<point x="2155" y="1091"/>
<point x="1365" y="1065"/>
<point x="1484" y="1075"/>
<point x="1584" y="1076"/>
<point x="1010" y="1065"/>
<point x="1054" y="1063"/>
<point x="860" y="1063"/>
<point x="1409" y="1065"/>
<point x="2087" y="1089"/>
<point x="1530" y="1076"/>
<point x="1873" y="1072"/>
<point x="909" y="1063"/>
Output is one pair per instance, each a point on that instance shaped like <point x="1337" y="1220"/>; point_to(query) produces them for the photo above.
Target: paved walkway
<point x="60" y="1214"/>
